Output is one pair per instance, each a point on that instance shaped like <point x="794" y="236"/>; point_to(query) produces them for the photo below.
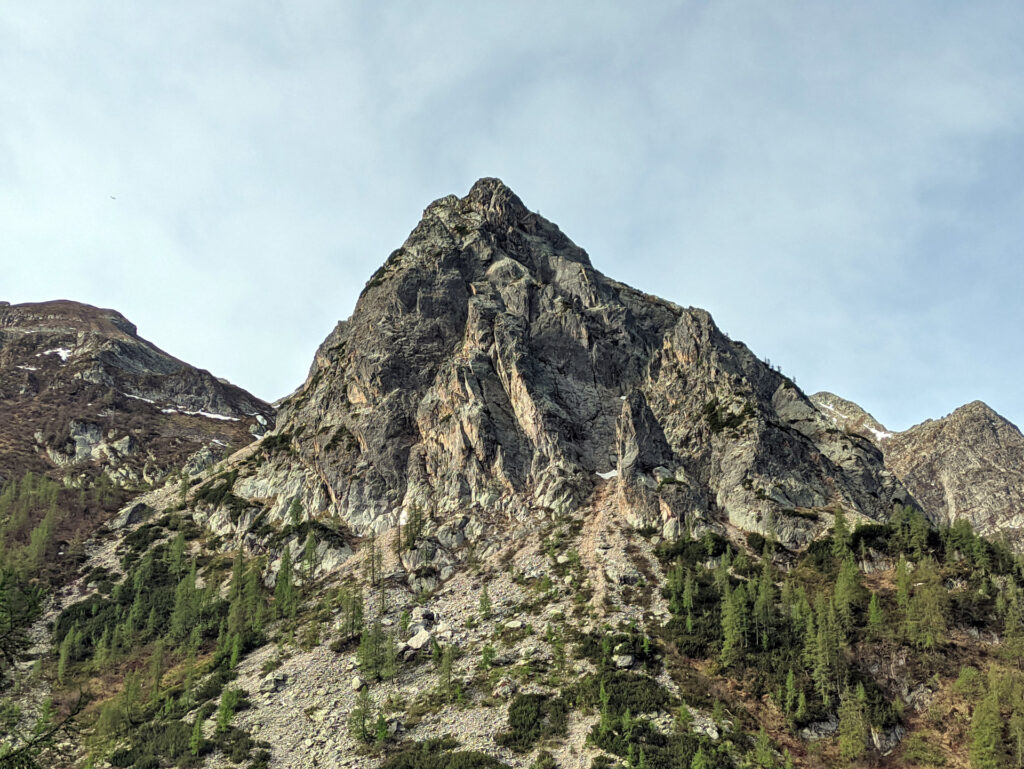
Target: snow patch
<point x="63" y="352"/>
<point x="879" y="434"/>
<point x="138" y="398"/>
<point x="206" y="414"/>
<point x="609" y="474"/>
<point x="28" y="368"/>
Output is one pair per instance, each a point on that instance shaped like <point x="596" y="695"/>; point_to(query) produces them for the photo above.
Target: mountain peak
<point x="488" y="366"/>
<point x="977" y="409"/>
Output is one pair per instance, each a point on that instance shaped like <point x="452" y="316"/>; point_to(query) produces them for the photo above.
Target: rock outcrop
<point x="489" y="368"/>
<point x="80" y="390"/>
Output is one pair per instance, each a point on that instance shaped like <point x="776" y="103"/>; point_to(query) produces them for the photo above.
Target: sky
<point x="840" y="184"/>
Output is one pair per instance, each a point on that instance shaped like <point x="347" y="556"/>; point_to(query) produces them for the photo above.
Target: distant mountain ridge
<point x="80" y="389"/>
<point x="968" y="465"/>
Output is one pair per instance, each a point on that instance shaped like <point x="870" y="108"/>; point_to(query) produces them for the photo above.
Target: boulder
<point x="421" y="639"/>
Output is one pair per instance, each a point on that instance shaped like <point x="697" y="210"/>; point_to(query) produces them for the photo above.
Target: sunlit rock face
<point x="488" y="368"/>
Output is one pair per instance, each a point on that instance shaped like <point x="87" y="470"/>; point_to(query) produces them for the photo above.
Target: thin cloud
<point x="835" y="183"/>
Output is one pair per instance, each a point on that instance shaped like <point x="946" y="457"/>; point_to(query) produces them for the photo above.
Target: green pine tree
<point x="196" y="741"/>
<point x="285" y="602"/>
<point x="986" y="735"/>
<point x="485" y="603"/>
<point x="841" y="538"/>
<point x="853" y="725"/>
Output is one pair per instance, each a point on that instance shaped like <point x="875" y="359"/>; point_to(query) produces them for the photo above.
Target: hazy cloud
<point x="839" y="184"/>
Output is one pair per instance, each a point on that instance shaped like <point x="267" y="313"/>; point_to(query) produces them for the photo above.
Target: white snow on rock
<point x="63" y="352"/>
<point x="206" y="414"/>
<point x="609" y="474"/>
<point x="28" y="368"/>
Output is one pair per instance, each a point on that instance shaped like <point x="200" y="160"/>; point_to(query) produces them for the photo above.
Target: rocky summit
<point x="518" y="515"/>
<point x="489" y="367"/>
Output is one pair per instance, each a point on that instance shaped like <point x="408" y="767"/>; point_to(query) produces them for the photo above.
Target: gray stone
<point x="420" y="640"/>
<point x="504" y="689"/>
<point x="131" y="515"/>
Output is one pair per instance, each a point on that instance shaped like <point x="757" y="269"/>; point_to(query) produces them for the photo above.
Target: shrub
<point x="439" y="754"/>
<point x="625" y="690"/>
<point x="532" y="717"/>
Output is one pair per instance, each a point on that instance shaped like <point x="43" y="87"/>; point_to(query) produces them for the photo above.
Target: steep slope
<point x="489" y="366"/>
<point x="968" y="465"/>
<point x="80" y="390"/>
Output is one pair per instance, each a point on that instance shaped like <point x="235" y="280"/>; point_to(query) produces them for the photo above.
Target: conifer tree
<point x="841" y="538"/>
<point x="67" y="646"/>
<point x="187" y="606"/>
<point x="377" y="652"/>
<point x="853" y="725"/>
<point x="485" y="603"/>
<point x="229" y="701"/>
<point x="986" y="737"/>
<point x="791" y="693"/>
<point x="381" y="730"/>
<point x="734" y="619"/>
<point x="310" y="560"/>
<point x="764" y="756"/>
<point x="849" y="593"/>
<point x="689" y="598"/>
<point x="295" y="513"/>
<point x="1017" y="731"/>
<point x="101" y="653"/>
<point x="926" y="608"/>
<point x="684" y="719"/>
<point x="876" y="620"/>
<point x="285" y="603"/>
<point x="444" y="674"/>
<point x="374" y="561"/>
<point x="252" y="596"/>
<point x="361" y="716"/>
<point x="176" y="555"/>
<point x="156" y="670"/>
<point x="196" y="741"/>
<point x="764" y="603"/>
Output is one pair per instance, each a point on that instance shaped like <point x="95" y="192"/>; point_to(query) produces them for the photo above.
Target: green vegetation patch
<point x="534" y="717"/>
<point x="439" y="754"/>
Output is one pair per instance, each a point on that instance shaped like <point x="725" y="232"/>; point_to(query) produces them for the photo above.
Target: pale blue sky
<point x="840" y="184"/>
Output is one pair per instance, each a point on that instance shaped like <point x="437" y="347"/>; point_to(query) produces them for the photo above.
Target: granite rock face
<point x="488" y="368"/>
<point x="80" y="390"/>
<point x="968" y="465"/>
